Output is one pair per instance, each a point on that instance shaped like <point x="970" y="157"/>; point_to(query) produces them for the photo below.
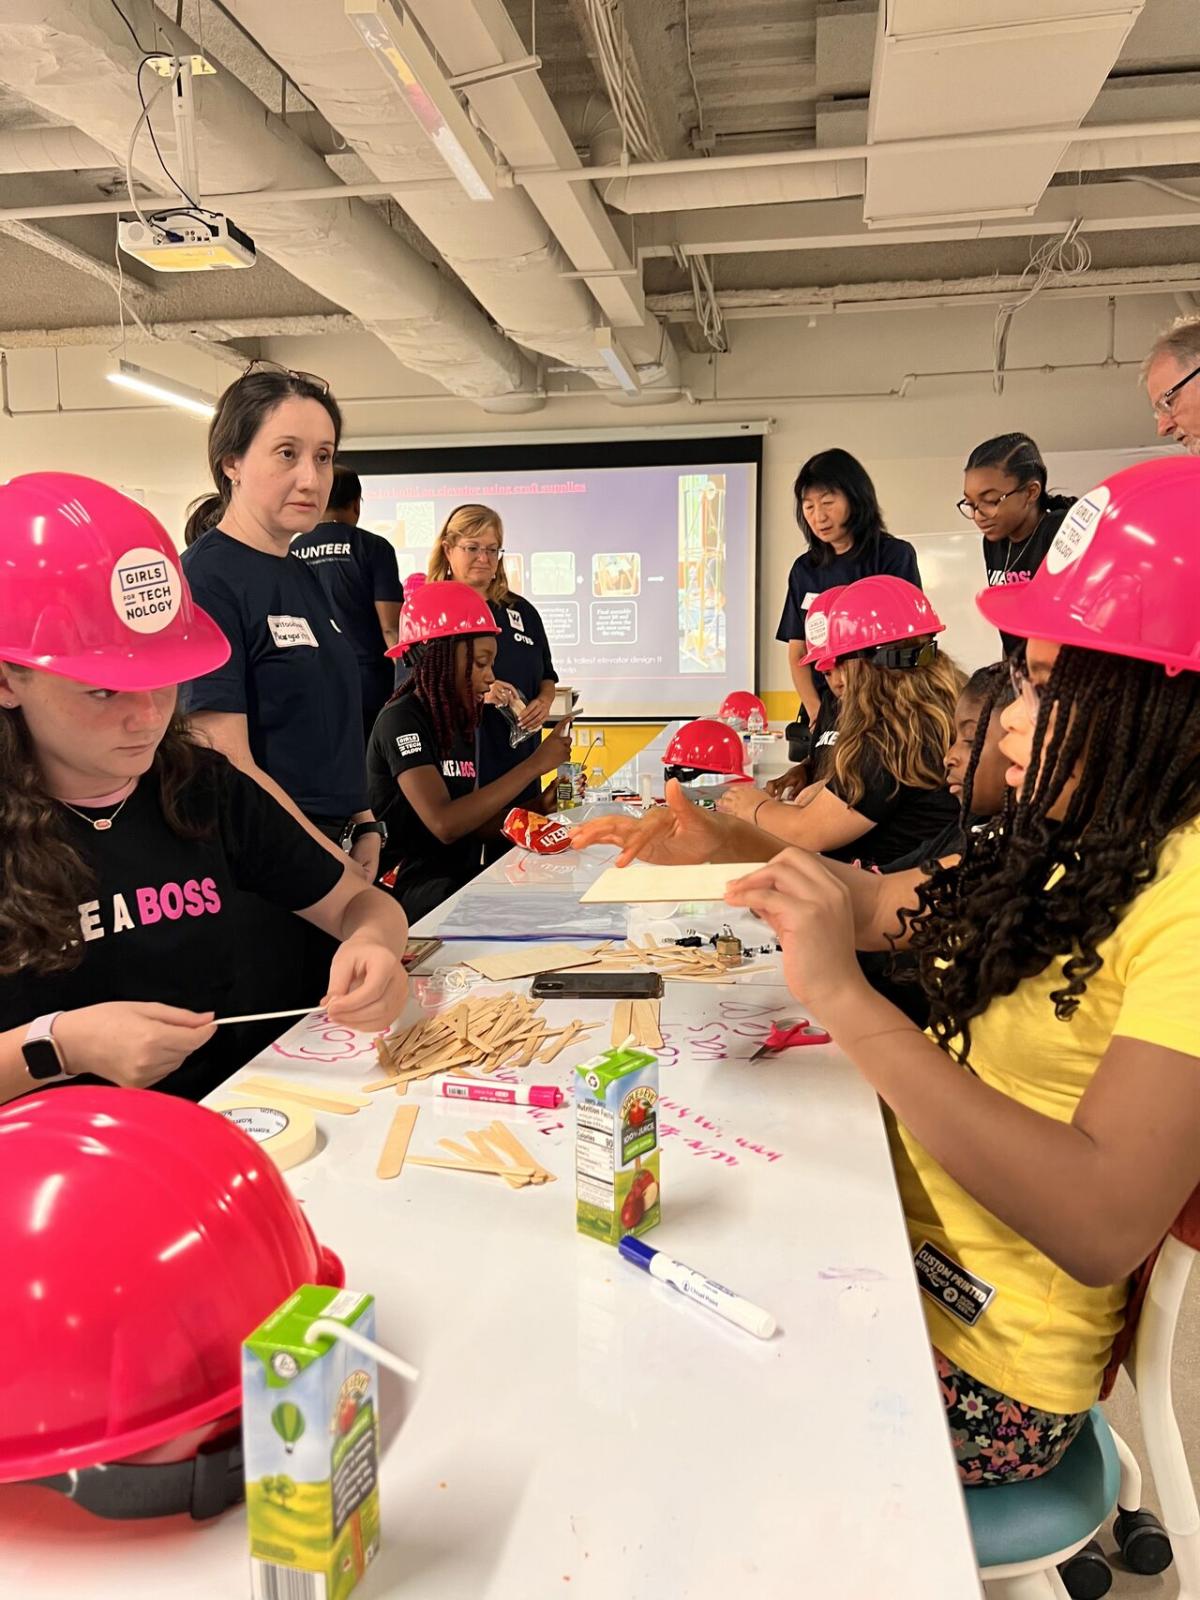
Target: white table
<point x="578" y="1429"/>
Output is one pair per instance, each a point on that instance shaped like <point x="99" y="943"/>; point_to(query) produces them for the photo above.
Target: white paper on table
<point x="641" y="883"/>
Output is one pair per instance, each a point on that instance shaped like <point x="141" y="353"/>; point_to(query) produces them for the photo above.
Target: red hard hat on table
<point x="444" y="610"/>
<point x="1122" y="575"/>
<point x="144" y="1238"/>
<point x="738" y="707"/>
<point x="875" y="612"/>
<point x="91" y="588"/>
<point x="707" y="745"/>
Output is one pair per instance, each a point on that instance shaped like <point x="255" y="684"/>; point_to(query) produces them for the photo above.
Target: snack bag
<point x="538" y="834"/>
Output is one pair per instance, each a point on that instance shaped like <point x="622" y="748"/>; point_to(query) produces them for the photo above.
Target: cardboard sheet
<point x="641" y="883"/>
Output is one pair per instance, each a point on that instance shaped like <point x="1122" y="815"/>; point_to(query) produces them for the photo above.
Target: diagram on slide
<point x="702" y="572"/>
<point x="415" y="527"/>
<point x="552" y="572"/>
<point x="616" y="573"/>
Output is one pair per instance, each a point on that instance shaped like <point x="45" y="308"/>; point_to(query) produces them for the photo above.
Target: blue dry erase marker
<point x="703" y="1291"/>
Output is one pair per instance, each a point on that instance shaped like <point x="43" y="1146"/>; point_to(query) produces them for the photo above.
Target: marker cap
<point x="637" y="1251"/>
<point x="549" y="1098"/>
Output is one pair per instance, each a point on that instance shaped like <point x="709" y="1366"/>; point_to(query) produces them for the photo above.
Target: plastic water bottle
<point x="754" y="722"/>
<point x="598" y="787"/>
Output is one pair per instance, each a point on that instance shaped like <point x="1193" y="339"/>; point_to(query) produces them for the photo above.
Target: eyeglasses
<point x="1164" y="406"/>
<point x="312" y="378"/>
<point x="1026" y="691"/>
<point x="971" y="508"/>
<point x="489" y="552"/>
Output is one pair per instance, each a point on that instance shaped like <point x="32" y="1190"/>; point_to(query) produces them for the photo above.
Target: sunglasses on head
<point x="313" y="379"/>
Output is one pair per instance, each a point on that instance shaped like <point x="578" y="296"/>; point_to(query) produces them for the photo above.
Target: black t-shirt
<point x="161" y="922"/>
<point x="904" y="816"/>
<point x="291" y="674"/>
<point x="402" y="740"/>
<point x="522" y="659"/>
<point x="356" y="567"/>
<point x="824" y="737"/>
<point x="1007" y="562"/>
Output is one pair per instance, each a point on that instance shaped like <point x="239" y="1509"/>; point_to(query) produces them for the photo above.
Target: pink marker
<point x="507" y="1094"/>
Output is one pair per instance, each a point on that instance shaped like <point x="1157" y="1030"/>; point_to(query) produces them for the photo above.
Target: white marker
<point x="703" y="1291"/>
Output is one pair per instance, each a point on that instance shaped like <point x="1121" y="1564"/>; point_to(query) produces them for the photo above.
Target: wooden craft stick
<point x="622" y="1021"/>
<point x="376" y="1084"/>
<point x="321" y="1099"/>
<point x="490" y="1154"/>
<point x="395" y="1146"/>
<point x="507" y="1141"/>
<point x="646" y="1023"/>
<point x="531" y="1046"/>
<point x="525" y="1174"/>
<point x="565" y="1038"/>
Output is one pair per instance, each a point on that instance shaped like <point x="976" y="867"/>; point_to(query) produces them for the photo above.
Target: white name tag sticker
<point x="808" y="600"/>
<point x="289" y="631"/>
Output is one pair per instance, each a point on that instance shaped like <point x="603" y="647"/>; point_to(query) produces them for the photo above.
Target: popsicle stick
<point x="343" y="1105"/>
<point x="395" y="1146"/>
<point x="525" y="1174"/>
<point x="384" y="1083"/>
<point x="646" y="1023"/>
<point x="622" y="1021"/>
<point x="567" y="1037"/>
<point x="507" y="1141"/>
<point x="489" y="1153"/>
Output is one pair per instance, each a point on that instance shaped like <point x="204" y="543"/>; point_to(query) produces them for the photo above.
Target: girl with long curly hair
<point x="421" y="764"/>
<point x="1046" y="1130"/>
<point x="125" y="847"/>
<point x="884" y="791"/>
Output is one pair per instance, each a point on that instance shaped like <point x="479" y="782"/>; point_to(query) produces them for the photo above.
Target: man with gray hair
<point x="1172" y="374"/>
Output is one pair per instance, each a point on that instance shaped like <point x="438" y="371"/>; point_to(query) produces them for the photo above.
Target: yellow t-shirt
<point x="994" y="1303"/>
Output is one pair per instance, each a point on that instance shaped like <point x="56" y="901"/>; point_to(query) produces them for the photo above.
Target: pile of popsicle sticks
<point x="473" y="1036"/>
<point x="686" y="962"/>
<point x="494" y="1151"/>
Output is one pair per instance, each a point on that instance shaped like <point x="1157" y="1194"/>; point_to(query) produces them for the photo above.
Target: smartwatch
<point x="43" y="1062"/>
<point x="360" y="830"/>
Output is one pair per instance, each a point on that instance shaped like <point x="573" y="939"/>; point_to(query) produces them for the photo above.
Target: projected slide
<point x="643" y="575"/>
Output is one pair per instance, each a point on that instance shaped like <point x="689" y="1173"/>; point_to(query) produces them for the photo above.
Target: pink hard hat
<point x="874" y="613"/>
<point x="442" y="610"/>
<point x="707" y="745"/>
<point x="816" y="622"/>
<point x="91" y="588"/>
<point x="1123" y="573"/>
<point x="145" y="1237"/>
<point x="738" y="707"/>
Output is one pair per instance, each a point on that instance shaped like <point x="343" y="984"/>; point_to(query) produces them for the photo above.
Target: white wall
<point x="823" y="385"/>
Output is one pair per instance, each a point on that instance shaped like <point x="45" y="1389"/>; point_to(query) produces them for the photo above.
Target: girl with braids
<point x="421" y="772"/>
<point x="1004" y="494"/>
<point x="882" y="794"/>
<point x="125" y="846"/>
<point x="1046" y="1131"/>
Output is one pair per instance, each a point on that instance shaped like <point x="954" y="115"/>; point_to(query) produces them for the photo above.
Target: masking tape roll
<point x="287" y="1134"/>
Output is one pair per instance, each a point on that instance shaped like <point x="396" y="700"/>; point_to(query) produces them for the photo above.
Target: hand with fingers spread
<point x="812" y="916"/>
<point x="677" y="834"/>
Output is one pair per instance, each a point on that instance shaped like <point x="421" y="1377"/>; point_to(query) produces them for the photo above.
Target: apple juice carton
<point x="310" y="1427"/>
<point x="616" y="1145"/>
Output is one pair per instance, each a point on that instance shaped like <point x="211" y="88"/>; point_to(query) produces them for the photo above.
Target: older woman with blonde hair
<point x="470" y="548"/>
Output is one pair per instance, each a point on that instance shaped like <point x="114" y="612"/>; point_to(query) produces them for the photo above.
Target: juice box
<point x="616" y="1145"/>
<point x="310" y="1427"/>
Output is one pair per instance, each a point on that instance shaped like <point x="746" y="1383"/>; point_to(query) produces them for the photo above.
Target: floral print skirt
<point x="995" y="1439"/>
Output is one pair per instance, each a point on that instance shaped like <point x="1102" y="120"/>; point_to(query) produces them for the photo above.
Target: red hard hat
<point x="873" y="612"/>
<point x="145" y="1237"/>
<point x="445" y="610"/>
<point x="707" y="746"/>
<point x="1123" y="573"/>
<point x="91" y="588"/>
<point x="816" y="622"/>
<point x="737" y="708"/>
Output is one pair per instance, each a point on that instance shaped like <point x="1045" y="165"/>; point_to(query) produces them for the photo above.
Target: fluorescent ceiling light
<point x="408" y="62"/>
<point x="130" y="376"/>
<point x="616" y="359"/>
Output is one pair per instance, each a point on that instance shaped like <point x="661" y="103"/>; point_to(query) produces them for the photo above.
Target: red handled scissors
<point x="790" y="1035"/>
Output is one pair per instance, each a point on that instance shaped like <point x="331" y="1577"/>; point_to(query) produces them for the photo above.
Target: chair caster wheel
<point x="1142" y="1541"/>
<point x="1087" y="1575"/>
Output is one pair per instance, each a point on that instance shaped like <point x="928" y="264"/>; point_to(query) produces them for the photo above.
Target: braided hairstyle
<point x="1019" y="457"/>
<point x="993" y="687"/>
<point x="1036" y="890"/>
<point x="435" y="678"/>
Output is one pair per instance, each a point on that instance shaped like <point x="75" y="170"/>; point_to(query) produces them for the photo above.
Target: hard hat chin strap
<point x="203" y="1486"/>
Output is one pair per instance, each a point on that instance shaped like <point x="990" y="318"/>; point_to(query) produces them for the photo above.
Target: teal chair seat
<point x="1015" y="1522"/>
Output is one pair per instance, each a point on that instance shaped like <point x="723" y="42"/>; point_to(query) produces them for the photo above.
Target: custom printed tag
<point x="289" y="631"/>
<point x="955" y="1289"/>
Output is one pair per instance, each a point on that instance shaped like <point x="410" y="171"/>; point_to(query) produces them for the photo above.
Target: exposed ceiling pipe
<point x="52" y="150"/>
<point x="205" y="333"/>
<point x="502" y="250"/>
<point x="76" y="61"/>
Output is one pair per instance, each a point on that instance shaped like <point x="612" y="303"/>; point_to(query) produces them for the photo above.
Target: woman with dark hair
<point x="1046" y="1133"/>
<point x="421" y="770"/>
<point x="1004" y="494"/>
<point x="837" y="511"/>
<point x="125" y="846"/>
<point x="285" y="708"/>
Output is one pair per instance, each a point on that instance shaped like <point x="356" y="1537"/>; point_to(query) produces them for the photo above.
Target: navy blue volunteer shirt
<point x="893" y="558"/>
<point x="522" y="659"/>
<point x="292" y="674"/>
<point x="356" y="568"/>
<point x="161" y="919"/>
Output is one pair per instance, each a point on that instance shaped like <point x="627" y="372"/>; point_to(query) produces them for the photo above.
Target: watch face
<point x="41" y="1059"/>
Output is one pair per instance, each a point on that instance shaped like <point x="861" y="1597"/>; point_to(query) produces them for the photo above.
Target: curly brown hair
<point x="903" y="717"/>
<point x="435" y="679"/>
<point x="1034" y="889"/>
<point x="43" y="878"/>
